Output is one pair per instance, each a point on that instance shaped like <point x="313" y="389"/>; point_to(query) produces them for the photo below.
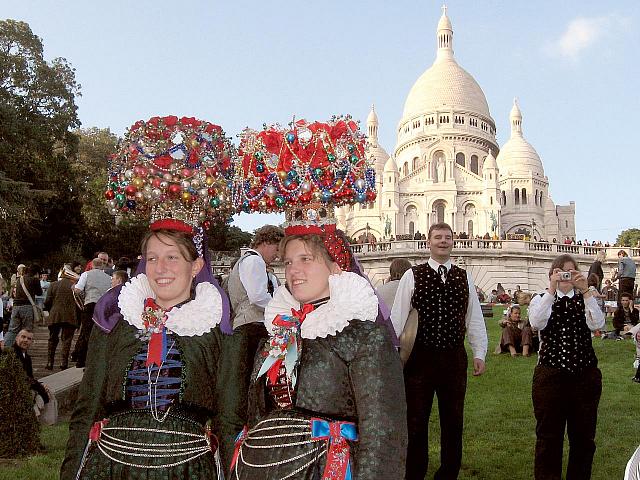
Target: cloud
<point x="581" y="33"/>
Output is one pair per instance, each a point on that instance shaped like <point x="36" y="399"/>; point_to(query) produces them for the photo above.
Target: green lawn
<point x="45" y="466"/>
<point x="499" y="433"/>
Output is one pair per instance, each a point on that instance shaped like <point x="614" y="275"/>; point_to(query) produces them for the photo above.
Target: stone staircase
<point x="38" y="352"/>
<point x="64" y="383"/>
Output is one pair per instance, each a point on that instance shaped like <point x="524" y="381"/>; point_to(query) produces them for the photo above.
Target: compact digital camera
<point x="565" y="276"/>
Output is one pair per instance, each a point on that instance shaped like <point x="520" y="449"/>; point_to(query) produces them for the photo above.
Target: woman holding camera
<point x="567" y="382"/>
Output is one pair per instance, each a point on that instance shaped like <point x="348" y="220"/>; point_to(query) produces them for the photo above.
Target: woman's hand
<point x="554" y="278"/>
<point x="579" y="281"/>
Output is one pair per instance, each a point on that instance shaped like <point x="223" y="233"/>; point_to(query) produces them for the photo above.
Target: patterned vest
<point x="442" y="307"/>
<point x="566" y="340"/>
<point x="243" y="310"/>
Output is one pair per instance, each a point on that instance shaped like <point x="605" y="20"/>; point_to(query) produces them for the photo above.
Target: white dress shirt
<point x="476" y="329"/>
<point x="253" y="275"/>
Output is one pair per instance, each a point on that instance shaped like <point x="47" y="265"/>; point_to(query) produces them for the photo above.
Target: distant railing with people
<point x="390" y="246"/>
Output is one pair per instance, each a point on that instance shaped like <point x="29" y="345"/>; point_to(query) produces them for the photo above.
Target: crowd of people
<point x="259" y="310"/>
<point x="320" y="377"/>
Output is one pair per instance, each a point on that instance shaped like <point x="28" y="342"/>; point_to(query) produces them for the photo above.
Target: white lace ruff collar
<point x="351" y="297"/>
<point x="196" y="317"/>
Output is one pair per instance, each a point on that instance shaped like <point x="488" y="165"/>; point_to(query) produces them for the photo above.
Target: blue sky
<point x="573" y="65"/>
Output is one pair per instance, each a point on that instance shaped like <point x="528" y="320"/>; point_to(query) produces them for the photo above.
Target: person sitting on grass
<point x="626" y="316"/>
<point x="516" y="333"/>
<point x="635" y="333"/>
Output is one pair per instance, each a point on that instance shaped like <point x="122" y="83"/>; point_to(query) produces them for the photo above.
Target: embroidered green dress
<point x="144" y="439"/>
<point x="348" y="376"/>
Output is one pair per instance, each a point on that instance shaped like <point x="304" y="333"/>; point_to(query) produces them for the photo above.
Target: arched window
<point x="411" y="228"/>
<point x="460" y="159"/>
<point x="414" y="164"/>
<point x="524" y="196"/>
<point x="504" y="198"/>
<point x="474" y="164"/>
<point x="535" y="199"/>
<point x="566" y="223"/>
<point x="490" y="200"/>
<point x="470" y="228"/>
<point x="389" y="179"/>
<point x="405" y="168"/>
<point x="389" y="203"/>
<point x="516" y="196"/>
<point x="540" y="201"/>
<point x="439" y="210"/>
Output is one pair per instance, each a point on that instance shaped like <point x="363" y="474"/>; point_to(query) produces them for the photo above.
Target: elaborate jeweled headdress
<point x="306" y="170"/>
<point x="176" y="172"/>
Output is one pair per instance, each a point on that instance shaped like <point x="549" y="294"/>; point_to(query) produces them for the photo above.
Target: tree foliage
<point x="52" y="173"/>
<point x="37" y="111"/>
<point x="228" y="238"/>
<point x="628" y="238"/>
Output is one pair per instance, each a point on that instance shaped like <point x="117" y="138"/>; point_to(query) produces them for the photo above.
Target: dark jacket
<point x="619" y="318"/>
<point x="25" y="360"/>
<point x="34" y="288"/>
<point x="60" y="303"/>
<point x="355" y="375"/>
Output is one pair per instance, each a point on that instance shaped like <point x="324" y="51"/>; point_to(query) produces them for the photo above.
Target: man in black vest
<point x="444" y="296"/>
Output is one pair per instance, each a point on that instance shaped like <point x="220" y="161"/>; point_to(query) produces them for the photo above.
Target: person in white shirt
<point x="566" y="382"/>
<point x="93" y="284"/>
<point x="445" y="299"/>
<point x="250" y="288"/>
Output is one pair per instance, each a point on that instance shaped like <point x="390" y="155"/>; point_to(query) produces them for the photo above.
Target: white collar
<point x="433" y="264"/>
<point x="569" y="294"/>
<point x="351" y="297"/>
<point x="196" y="317"/>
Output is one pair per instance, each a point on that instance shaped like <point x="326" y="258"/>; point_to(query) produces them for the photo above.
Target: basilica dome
<point x="517" y="156"/>
<point x="445" y="85"/>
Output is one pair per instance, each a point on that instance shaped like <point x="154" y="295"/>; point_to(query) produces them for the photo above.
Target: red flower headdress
<point x="177" y="172"/>
<point x="306" y="170"/>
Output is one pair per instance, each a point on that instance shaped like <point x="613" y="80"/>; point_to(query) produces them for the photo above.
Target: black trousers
<point x="443" y="373"/>
<point x="563" y="399"/>
<point x="82" y="344"/>
<point x="626" y="286"/>
<point x="67" y="330"/>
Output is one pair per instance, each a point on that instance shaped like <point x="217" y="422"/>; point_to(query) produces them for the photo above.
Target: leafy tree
<point x="37" y="111"/>
<point x="628" y="238"/>
<point x="228" y="238"/>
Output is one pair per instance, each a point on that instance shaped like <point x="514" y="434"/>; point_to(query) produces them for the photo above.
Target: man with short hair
<point x="93" y="283"/>
<point x="23" y="342"/>
<point x="396" y="270"/>
<point x="626" y="275"/>
<point x="448" y="307"/>
<point x="625" y="316"/>
<point x="251" y="289"/>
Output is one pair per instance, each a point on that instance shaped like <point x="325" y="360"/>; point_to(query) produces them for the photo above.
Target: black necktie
<point x="442" y="270"/>
<point x="270" y="288"/>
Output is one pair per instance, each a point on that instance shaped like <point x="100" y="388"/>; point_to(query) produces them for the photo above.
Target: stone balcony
<point x="510" y="262"/>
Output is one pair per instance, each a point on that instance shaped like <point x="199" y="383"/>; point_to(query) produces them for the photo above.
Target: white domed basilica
<point x="447" y="166"/>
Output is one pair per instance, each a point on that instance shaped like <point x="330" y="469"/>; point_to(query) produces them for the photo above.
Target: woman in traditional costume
<point x="160" y="397"/>
<point x="327" y="395"/>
